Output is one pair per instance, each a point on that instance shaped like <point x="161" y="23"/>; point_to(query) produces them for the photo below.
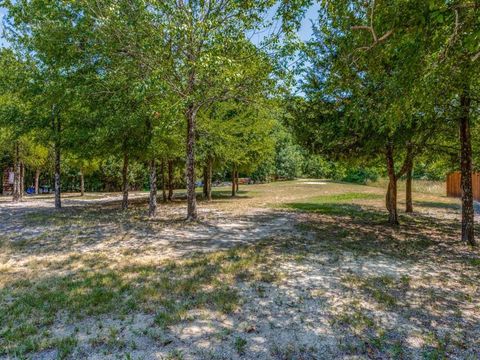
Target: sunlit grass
<point x="420" y="186"/>
<point x="169" y="290"/>
<point x="337" y="205"/>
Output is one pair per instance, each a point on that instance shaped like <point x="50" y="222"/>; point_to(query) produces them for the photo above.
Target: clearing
<point x="291" y="270"/>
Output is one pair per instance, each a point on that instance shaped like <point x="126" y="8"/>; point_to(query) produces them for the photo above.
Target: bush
<point x="360" y="175"/>
<point x="316" y="166"/>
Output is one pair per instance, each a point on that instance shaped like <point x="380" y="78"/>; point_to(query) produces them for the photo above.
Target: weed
<point x="66" y="346"/>
<point x="175" y="355"/>
<point x="240" y="344"/>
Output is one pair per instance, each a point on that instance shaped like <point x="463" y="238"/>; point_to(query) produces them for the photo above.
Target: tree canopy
<point x="150" y="87"/>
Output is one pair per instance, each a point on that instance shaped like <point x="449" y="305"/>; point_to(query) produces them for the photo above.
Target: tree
<point x="35" y="155"/>
<point x="15" y="112"/>
<point x="42" y="34"/>
<point x="197" y="51"/>
<point x="85" y="166"/>
<point x="126" y="85"/>
<point x="365" y="63"/>
<point x="164" y="140"/>
<point x="288" y="156"/>
<point x="209" y="59"/>
<point x="452" y="76"/>
<point x="236" y="135"/>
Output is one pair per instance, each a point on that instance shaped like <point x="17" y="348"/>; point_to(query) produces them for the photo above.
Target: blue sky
<point x="306" y="29"/>
<point x="304" y="33"/>
<point x="2" y="13"/>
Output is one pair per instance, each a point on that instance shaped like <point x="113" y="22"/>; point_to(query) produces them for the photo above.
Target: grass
<point x="438" y="205"/>
<point x="368" y="234"/>
<point x="329" y="268"/>
<point x="343" y="198"/>
<point x="66" y="346"/>
<point x="240" y="345"/>
<point x="175" y="355"/>
<point x="338" y="205"/>
<point x="168" y="289"/>
<point x="474" y="262"/>
<point x="383" y="289"/>
<point x="420" y="186"/>
<point x="357" y="321"/>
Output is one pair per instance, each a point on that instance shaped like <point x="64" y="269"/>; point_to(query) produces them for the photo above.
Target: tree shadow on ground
<point x="419" y="276"/>
<point x="323" y="281"/>
<point x="289" y="296"/>
<point x="216" y="195"/>
<point x="88" y="226"/>
<point x="354" y="211"/>
<point x="438" y="205"/>
<point x="365" y="229"/>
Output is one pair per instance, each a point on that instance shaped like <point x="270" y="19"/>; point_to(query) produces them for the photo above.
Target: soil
<point x="347" y="286"/>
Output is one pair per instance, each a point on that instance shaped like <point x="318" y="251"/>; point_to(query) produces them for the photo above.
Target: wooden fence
<point x="454" y="188"/>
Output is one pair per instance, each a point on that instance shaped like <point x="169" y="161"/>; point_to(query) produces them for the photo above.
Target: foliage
<point x="289" y="157"/>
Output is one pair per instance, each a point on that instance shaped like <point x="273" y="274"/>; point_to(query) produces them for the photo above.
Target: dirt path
<point x="107" y="229"/>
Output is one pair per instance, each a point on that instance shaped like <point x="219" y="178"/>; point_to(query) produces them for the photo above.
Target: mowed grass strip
<point x="335" y="204"/>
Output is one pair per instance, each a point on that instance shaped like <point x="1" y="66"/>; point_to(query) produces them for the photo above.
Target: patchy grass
<point x="385" y="289"/>
<point x="345" y="210"/>
<point x="240" y="344"/>
<point x="293" y="350"/>
<point x="167" y="289"/>
<point x="474" y="262"/>
<point x="292" y="270"/>
<point x="343" y="198"/>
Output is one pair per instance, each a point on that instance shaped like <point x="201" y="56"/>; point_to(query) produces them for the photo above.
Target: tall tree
<point x="360" y="78"/>
<point x="36" y="154"/>
<point x="452" y="76"/>
<point x="43" y="34"/>
<point x="16" y="112"/>
<point x="209" y="59"/>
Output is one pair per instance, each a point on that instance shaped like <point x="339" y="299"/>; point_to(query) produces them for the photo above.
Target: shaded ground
<point x="292" y="270"/>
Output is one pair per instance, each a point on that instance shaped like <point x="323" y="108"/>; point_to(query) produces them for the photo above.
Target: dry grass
<point x="420" y="186"/>
<point x="302" y="270"/>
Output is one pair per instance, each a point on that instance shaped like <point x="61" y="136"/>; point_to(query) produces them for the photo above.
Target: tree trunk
<point x="209" y="178"/>
<point x="191" y="196"/>
<point x="82" y="183"/>
<point x="125" y="182"/>
<point x="391" y="198"/>
<point x="408" y="190"/>
<point x="170" y="180"/>
<point x="57" y="128"/>
<point x="205" y="181"/>
<point x="164" y="182"/>
<point x="16" y="175"/>
<point x="236" y="180"/>
<point x="37" y="180"/>
<point x="152" y="204"/>
<point x="234" y="185"/>
<point x="22" y="179"/>
<point x="58" y="198"/>
<point x="466" y="170"/>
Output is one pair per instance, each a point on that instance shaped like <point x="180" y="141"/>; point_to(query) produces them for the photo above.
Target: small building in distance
<point x="454" y="185"/>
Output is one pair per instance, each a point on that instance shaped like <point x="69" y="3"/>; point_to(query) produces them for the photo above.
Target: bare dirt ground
<point x="293" y="270"/>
